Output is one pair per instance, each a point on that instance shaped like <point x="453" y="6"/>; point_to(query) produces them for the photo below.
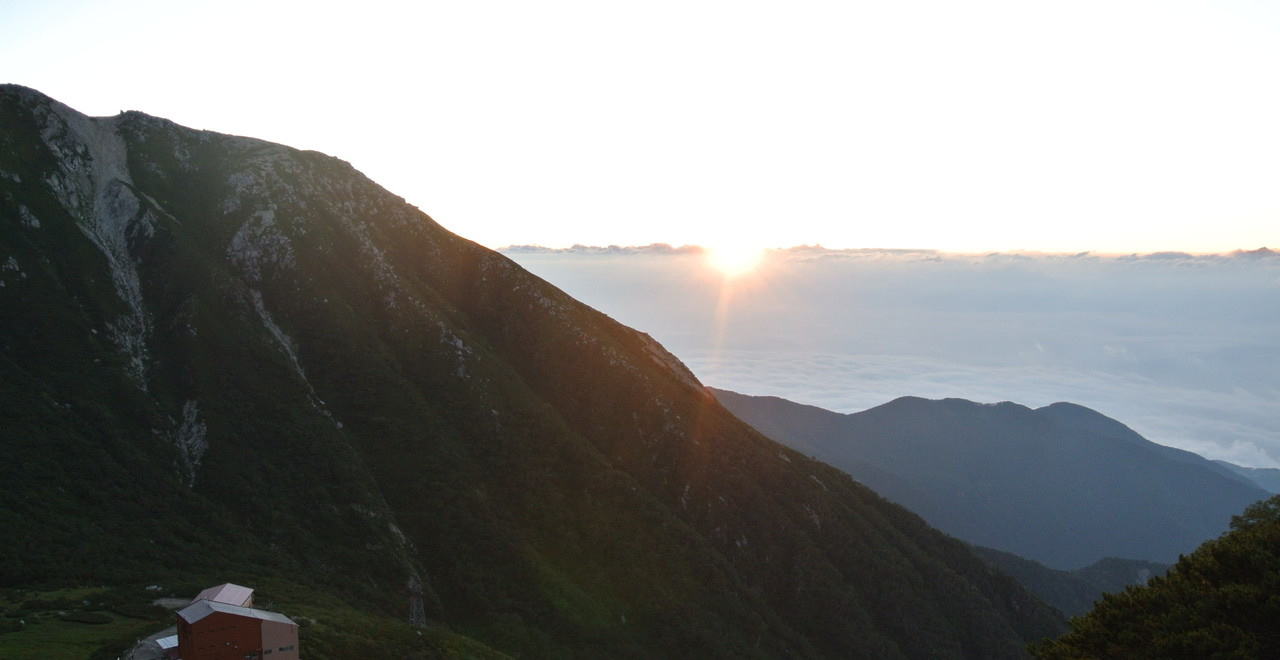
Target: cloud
<point x="651" y="249"/>
<point x="1180" y="347"/>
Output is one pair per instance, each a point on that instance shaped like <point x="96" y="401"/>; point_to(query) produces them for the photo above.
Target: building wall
<point x="281" y="639"/>
<point x="221" y="636"/>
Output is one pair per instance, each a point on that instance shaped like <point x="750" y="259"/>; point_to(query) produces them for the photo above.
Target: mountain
<point x="1217" y="602"/>
<point x="1073" y="592"/>
<point x="225" y="356"/>
<point x="1062" y="485"/>
<point x="1267" y="479"/>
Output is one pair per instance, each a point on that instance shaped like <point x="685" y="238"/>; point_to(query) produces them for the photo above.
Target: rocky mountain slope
<point x="1062" y="485"/>
<point x="220" y="354"/>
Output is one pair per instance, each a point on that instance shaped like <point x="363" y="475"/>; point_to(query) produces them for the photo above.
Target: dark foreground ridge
<point x="221" y="354"/>
<point x="1217" y="602"/>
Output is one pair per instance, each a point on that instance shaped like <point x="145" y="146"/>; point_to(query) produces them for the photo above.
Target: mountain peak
<point x="951" y="403"/>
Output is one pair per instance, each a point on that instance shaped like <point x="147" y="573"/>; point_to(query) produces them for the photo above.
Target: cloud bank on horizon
<point x="1181" y="348"/>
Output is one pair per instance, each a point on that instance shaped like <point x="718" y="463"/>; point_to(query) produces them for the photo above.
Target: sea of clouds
<point x="1183" y="349"/>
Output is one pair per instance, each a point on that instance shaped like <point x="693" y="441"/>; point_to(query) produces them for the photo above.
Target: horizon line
<point x="1263" y="251"/>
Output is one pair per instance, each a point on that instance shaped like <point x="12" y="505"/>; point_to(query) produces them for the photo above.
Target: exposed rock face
<point x="224" y="354"/>
<point x="91" y="181"/>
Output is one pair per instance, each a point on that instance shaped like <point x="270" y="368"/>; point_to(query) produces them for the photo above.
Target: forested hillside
<point x="1221" y="601"/>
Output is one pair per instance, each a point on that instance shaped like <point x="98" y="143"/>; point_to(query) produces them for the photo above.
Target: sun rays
<point x="734" y="259"/>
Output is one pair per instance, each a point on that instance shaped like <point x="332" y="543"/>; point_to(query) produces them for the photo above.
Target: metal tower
<point x="417" y="615"/>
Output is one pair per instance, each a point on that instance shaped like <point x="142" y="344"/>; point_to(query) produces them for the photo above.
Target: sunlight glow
<point x="734" y="260"/>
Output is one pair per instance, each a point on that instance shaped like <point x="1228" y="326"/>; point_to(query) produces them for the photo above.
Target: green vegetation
<point x="332" y="629"/>
<point x="72" y="624"/>
<point x="1221" y="601"/>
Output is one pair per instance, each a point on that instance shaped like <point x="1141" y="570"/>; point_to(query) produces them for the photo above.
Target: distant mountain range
<point x="1266" y="478"/>
<point x="224" y="356"/>
<point x="1062" y="485"/>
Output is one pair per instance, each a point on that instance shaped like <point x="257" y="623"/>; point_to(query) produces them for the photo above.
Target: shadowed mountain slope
<point x="1073" y="592"/>
<point x="1062" y="485"/>
<point x="1267" y="479"/>
<point x="223" y="354"/>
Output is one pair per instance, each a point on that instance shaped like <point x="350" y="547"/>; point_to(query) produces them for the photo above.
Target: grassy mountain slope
<point x="1062" y="485"/>
<point x="224" y="354"/>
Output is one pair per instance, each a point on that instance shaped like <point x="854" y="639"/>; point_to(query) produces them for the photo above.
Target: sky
<point x="1113" y="126"/>
<point x="1180" y="348"/>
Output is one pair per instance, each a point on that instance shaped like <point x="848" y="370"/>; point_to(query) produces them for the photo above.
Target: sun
<point x="733" y="260"/>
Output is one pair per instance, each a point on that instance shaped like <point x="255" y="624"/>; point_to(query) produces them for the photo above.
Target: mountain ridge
<point x="1073" y="592"/>
<point x="1062" y="484"/>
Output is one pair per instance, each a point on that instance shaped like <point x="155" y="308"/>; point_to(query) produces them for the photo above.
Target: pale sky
<point x="1108" y="126"/>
